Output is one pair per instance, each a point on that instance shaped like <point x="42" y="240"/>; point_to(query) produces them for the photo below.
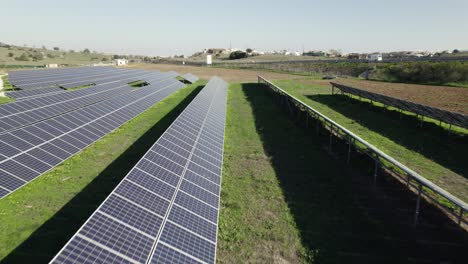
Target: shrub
<point x="23" y="57"/>
<point x="38" y="56"/>
<point x="11" y="54"/>
<point x="237" y="55"/>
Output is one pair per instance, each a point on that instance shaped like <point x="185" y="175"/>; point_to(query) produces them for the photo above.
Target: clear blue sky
<point x="183" y="27"/>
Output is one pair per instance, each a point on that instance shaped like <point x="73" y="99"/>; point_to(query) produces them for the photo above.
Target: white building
<point x="51" y="65"/>
<point x="121" y="62"/>
<point x="374" y="57"/>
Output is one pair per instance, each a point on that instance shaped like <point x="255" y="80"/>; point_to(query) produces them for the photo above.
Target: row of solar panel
<point x="98" y="93"/>
<point x="28" y="152"/>
<point x="166" y="209"/>
<point x="103" y="79"/>
<point x="68" y="81"/>
<point x="59" y="75"/>
<point x="190" y="77"/>
<point x="37" y="102"/>
<point x="126" y="77"/>
<point x="50" y="81"/>
<point x="21" y="95"/>
<point x="47" y="73"/>
<point x="63" y="81"/>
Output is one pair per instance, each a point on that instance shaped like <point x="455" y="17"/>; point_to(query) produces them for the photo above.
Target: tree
<point x="11" y="54"/>
<point x="23" y="57"/>
<point x="56" y="48"/>
<point x="238" y="55"/>
<point x="38" y="56"/>
<point x="249" y="50"/>
<point x="455" y="51"/>
<point x="86" y="51"/>
<point x="335" y="52"/>
<point x="104" y="59"/>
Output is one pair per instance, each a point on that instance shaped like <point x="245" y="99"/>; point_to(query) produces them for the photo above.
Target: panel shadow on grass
<point x="336" y="215"/>
<point x="431" y="140"/>
<point x="47" y="240"/>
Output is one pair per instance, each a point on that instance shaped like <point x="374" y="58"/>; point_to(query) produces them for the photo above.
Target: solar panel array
<point x="32" y="82"/>
<point x="424" y="110"/>
<point x="18" y="114"/>
<point x="190" y="77"/>
<point x="30" y="79"/>
<point x="28" y="152"/>
<point x="166" y="209"/>
<point x="20" y="95"/>
<point x="45" y="107"/>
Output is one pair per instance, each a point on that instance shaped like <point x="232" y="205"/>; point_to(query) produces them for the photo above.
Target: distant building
<point x="51" y="65"/>
<point x="374" y="57"/>
<point x="209" y="59"/>
<point x="121" y="62"/>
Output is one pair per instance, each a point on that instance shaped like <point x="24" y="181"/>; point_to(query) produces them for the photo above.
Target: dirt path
<point x="230" y="75"/>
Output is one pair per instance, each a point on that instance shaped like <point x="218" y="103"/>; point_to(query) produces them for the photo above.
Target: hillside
<point x="11" y="55"/>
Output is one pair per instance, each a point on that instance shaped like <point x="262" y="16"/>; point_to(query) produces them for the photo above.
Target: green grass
<point x="427" y="150"/>
<point x="38" y="219"/>
<point x="5" y="99"/>
<point x="284" y="200"/>
<point x="137" y="84"/>
<point x="254" y="218"/>
<point x="6" y="84"/>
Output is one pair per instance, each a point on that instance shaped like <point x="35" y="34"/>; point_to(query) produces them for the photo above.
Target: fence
<point x="415" y="182"/>
<point x="451" y="118"/>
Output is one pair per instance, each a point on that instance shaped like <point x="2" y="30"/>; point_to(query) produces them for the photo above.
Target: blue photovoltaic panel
<point x="28" y="152"/>
<point x="162" y="211"/>
<point x="68" y="77"/>
<point x="190" y="77"/>
<point x="77" y="99"/>
<point x="20" y="95"/>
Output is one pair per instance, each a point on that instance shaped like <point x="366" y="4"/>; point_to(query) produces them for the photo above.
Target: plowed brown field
<point x="444" y="97"/>
<point x="229" y="75"/>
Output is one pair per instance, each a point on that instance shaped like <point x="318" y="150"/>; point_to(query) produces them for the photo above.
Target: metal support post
<point x="418" y="204"/>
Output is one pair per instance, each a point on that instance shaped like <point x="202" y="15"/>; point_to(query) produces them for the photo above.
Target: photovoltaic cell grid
<point x="21" y="95"/>
<point x="17" y="114"/>
<point x="166" y="209"/>
<point x="28" y="152"/>
<point x="112" y="77"/>
<point x="133" y="76"/>
<point x="77" y="99"/>
<point x="61" y="75"/>
<point x="424" y="110"/>
<point x="190" y="77"/>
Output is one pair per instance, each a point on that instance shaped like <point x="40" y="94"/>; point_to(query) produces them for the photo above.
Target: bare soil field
<point x="230" y="75"/>
<point x="444" y="97"/>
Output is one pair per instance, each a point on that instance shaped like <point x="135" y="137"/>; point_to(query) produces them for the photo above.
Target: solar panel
<point x="53" y="107"/>
<point x="166" y="209"/>
<point x="190" y="77"/>
<point x="32" y="103"/>
<point x="28" y="152"/>
<point x="59" y="75"/>
<point x="21" y="95"/>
